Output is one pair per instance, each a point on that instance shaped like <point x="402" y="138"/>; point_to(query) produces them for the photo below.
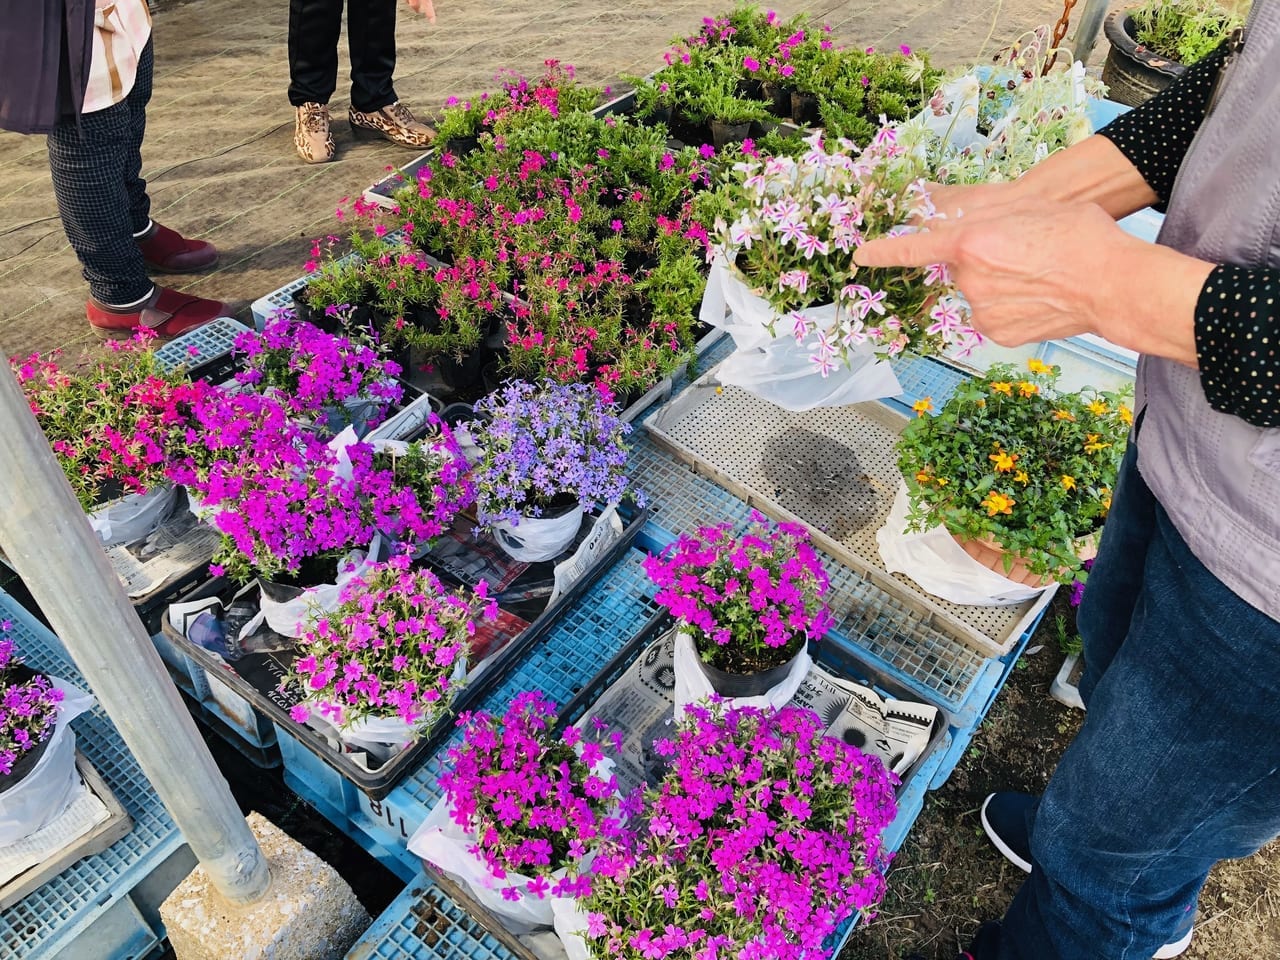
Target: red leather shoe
<point x="166" y="313"/>
<point x="168" y="251"/>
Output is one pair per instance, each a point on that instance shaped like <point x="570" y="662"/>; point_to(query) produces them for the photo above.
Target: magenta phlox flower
<point x="28" y="706"/>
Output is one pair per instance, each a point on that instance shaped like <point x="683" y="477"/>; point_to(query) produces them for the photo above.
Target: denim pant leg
<point x="1115" y="582"/>
<point x="1176" y="767"/>
<point x="95" y="165"/>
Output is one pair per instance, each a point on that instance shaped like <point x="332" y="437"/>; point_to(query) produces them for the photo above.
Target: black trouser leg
<point x="139" y="97"/>
<point x="371" y="39"/>
<point x="314" y="26"/>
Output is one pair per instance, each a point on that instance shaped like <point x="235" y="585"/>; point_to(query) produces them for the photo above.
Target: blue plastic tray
<point x="53" y="917"/>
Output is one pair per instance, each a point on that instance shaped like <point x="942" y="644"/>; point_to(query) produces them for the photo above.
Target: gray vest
<point x="1216" y="475"/>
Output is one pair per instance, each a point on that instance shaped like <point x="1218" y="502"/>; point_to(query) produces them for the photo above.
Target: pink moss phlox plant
<point x="531" y="798"/>
<point x="762" y="839"/>
<point x="391" y="648"/>
<point x="760" y="591"/>
<point x="311" y="370"/>
<point x="28" y="710"/>
<point x="414" y="497"/>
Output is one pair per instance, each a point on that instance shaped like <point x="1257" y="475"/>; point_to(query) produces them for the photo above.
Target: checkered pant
<point x="96" y="166"/>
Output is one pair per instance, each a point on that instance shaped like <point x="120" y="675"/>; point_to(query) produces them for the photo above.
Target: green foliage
<point x="1184" y="30"/>
<point x="1010" y="459"/>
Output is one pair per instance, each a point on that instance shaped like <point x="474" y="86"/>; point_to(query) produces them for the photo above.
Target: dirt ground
<point x="220" y="164"/>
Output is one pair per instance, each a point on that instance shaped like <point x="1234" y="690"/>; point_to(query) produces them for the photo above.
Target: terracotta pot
<point x="992" y="556"/>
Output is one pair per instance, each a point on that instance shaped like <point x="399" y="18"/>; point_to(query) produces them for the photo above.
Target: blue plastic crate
<point x="79" y="909"/>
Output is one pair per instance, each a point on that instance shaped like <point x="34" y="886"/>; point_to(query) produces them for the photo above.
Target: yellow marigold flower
<point x="1038" y="366"/>
<point x="1064" y="415"/>
<point x="1001" y="386"/>
<point x="922" y="476"/>
<point x="921" y="407"/>
<point x="941" y="481"/>
<point x="1092" y="444"/>
<point x="997" y="503"/>
<point x="1027" y="389"/>
<point x="1003" y="461"/>
<point x="1106" y="500"/>
<point x="1021" y="477"/>
<point x="1097" y="408"/>
<point x="1068" y="483"/>
<point x="1126" y="414"/>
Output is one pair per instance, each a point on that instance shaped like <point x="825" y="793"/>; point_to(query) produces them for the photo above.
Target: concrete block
<point x="309" y="913"/>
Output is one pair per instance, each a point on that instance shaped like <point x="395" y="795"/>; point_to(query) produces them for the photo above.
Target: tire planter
<point x="1133" y="74"/>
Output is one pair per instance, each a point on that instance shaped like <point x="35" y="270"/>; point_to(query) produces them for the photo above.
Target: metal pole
<point x="47" y="538"/>
<point x="1088" y="28"/>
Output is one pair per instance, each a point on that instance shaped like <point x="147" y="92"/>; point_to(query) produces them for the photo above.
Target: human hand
<point x="1043" y="270"/>
<point x="424" y="7"/>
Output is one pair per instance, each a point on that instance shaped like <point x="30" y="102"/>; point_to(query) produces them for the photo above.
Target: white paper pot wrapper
<point x="443" y="843"/>
<point x="934" y="560"/>
<point x="289" y="617"/>
<point x="778" y="369"/>
<point x="538" y="538"/>
<point x="133" y="516"/>
<point x="693" y="686"/>
<point x="40" y="797"/>
<point x="570" y="923"/>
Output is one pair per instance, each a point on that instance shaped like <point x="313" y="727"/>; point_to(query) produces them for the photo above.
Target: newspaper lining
<point x="641" y="705"/>
<point x="180" y="545"/>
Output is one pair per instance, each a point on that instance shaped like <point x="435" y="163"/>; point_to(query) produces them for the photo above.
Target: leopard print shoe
<point x="395" y="122"/>
<point x="311" y="136"/>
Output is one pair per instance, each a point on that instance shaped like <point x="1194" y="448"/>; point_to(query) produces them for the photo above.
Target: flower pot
<point x="492" y="375"/>
<point x="723" y="134"/>
<point x="39" y="788"/>
<point x="303" y="310"/>
<point x="461" y="146"/>
<point x="992" y="556"/>
<point x="659" y="115"/>
<point x="728" y="684"/>
<point x="804" y="108"/>
<point x="1133" y="74"/>
<point x="534" y="539"/>
<point x="423" y="316"/>
<point x="751" y="88"/>
<point x="777" y="98"/>
<point x="463" y="376"/>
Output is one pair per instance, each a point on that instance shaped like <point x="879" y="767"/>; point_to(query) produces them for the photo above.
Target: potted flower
<point x="761" y="840"/>
<point x="114" y="428"/>
<point x="523" y="810"/>
<point x="1018" y="472"/>
<point x="549" y="450"/>
<point x="37" y="744"/>
<point x="747" y="604"/>
<point x="318" y="374"/>
<point x="462" y="121"/>
<point x="384" y="665"/>
<point x="1154" y="42"/>
<point x="785" y="258"/>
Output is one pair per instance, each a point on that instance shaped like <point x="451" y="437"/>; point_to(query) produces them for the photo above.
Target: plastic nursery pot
<point x="304" y="311"/>
<point x="723" y="134"/>
<point x="461" y="146"/>
<point x="1133" y="74"/>
<point x="465" y="375"/>
<point x="804" y="108"/>
<point x="751" y="88"/>
<point x="534" y="539"/>
<point x="746" y="684"/>
<point x="659" y="115"/>
<point x="16" y="675"/>
<point x="426" y="318"/>
<point x="492" y="375"/>
<point x="777" y="98"/>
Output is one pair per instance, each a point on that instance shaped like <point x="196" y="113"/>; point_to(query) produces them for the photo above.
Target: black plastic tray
<point x="376" y="784"/>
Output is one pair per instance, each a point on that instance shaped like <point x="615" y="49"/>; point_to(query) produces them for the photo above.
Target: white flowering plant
<point x="994" y="123"/>
<point x="796" y="223"/>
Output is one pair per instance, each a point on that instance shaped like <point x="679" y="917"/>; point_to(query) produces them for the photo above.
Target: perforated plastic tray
<point x="833" y="469"/>
<point x="202" y="346"/>
<point x="49" y="918"/>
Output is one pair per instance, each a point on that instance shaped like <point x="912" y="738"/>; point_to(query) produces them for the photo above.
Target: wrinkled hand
<point x="1030" y="271"/>
<point x="424" y="7"/>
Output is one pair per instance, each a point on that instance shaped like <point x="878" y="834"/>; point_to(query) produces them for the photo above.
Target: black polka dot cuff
<point x="1237" y="330"/>
<point x="1156" y="135"/>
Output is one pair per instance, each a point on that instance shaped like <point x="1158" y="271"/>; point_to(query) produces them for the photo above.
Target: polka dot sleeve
<point x="1237" y="329"/>
<point x="1156" y="135"/>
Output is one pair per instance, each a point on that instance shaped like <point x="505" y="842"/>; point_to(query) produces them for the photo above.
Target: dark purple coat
<point x="45" y="48"/>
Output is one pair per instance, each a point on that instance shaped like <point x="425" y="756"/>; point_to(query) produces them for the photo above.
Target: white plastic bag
<point x="570" y="922"/>
<point x="443" y="843"/>
<point x="934" y="560"/>
<point x="289" y="617"/>
<point x="692" y="684"/>
<point x="778" y="369"/>
<point x="43" y="794"/>
<point x="533" y="539"/>
<point x="133" y="516"/>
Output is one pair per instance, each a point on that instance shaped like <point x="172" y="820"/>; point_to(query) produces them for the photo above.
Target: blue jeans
<point x="1176" y="766"/>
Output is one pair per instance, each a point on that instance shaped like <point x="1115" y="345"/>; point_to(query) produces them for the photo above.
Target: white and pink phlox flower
<point x="937" y="273"/>
<point x="801" y="326"/>
<point x="792" y="232"/>
<point x="811" y="244"/>
<point x="946" y="318"/>
<point x="795" y="279"/>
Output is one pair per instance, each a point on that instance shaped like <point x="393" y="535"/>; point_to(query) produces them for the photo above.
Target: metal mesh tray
<point x="835" y="470"/>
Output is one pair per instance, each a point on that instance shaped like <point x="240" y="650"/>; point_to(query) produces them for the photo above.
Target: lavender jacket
<point x="1217" y="476"/>
<point x="45" y="47"/>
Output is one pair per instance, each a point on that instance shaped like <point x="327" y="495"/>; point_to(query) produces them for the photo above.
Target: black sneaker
<point x="1006" y="820"/>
